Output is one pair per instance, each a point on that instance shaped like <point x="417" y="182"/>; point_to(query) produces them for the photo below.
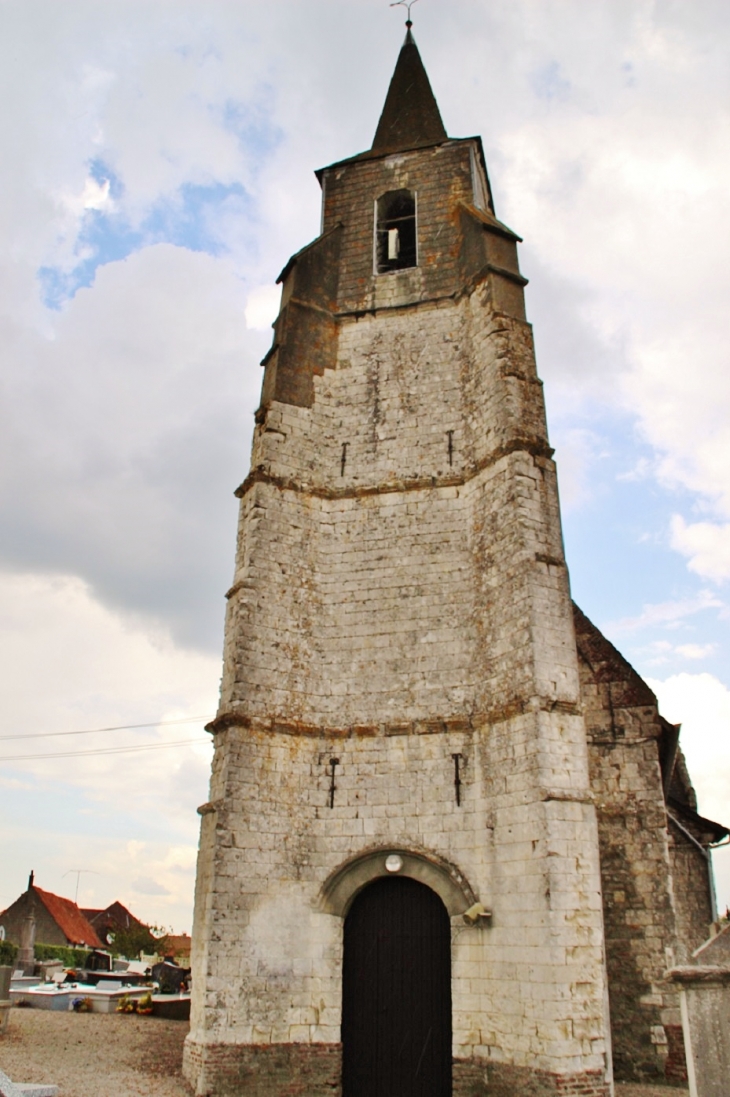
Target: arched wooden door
<point x="396" y="997"/>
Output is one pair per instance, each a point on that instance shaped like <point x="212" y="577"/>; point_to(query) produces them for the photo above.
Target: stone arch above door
<point x="342" y="885"/>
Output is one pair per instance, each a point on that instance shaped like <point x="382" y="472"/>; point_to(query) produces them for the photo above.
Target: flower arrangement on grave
<point x="81" y="1005"/>
<point x="126" y="1004"/>
<point x="144" y="1005"/>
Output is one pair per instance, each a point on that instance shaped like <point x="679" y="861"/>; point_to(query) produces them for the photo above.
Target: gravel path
<point x="95" y="1054"/>
<point x="114" y="1055"/>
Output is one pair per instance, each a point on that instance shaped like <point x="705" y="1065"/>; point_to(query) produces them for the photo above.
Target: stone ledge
<point x="444" y="725"/>
<point x="698" y="974"/>
<point x="535" y="447"/>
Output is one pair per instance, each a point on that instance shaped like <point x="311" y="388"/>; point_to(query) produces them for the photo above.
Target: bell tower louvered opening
<point x="395" y="231"/>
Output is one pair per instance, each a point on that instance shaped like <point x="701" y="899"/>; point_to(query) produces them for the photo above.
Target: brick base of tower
<point x="273" y="1070"/>
<point x="314" y="1070"/>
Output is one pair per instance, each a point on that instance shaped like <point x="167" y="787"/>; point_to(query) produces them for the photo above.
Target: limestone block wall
<point x="640" y="913"/>
<point x="400" y="597"/>
<point x="692" y="885"/>
<point x="445" y="538"/>
<point x="524" y="990"/>
<point x="390" y="611"/>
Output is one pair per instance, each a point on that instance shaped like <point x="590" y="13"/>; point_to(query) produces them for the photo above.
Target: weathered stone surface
<point x="401" y="601"/>
<point x="400" y="597"/>
<point x="656" y="882"/>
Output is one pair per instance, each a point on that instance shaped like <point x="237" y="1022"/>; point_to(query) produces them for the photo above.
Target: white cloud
<point x="620" y="191"/>
<point x="706" y="544"/>
<point x="660" y="652"/>
<point x="262" y="307"/>
<point x="71" y="664"/>
<point x="695" y="651"/>
<point x="577" y="453"/>
<point x="127" y="432"/>
<point x="667" y="614"/>
<point x="701" y="703"/>
<point x="95" y="196"/>
<point x="145" y="885"/>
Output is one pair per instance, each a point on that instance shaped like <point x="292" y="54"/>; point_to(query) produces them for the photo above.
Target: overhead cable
<point x="100" y="751"/>
<point x="119" y="727"/>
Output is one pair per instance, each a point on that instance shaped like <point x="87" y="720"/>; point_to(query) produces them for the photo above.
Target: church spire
<point x="411" y="117"/>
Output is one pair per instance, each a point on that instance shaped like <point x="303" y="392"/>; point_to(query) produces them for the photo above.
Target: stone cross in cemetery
<point x="26" y="953"/>
<point x="399" y="878"/>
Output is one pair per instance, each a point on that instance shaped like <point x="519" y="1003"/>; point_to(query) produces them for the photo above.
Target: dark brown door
<point x="396" y="997"/>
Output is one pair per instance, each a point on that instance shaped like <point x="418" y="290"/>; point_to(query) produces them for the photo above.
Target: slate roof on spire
<point x="411" y="118"/>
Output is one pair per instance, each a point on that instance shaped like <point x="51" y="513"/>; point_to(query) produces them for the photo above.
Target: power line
<point x="102" y="750"/>
<point x="119" y="727"/>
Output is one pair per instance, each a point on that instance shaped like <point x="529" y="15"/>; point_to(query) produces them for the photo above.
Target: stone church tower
<point x="398" y="885"/>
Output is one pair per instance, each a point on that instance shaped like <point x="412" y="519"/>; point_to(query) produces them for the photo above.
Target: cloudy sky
<point x="156" y="174"/>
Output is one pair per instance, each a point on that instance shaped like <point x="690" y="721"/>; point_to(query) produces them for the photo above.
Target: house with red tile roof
<point x="58" y="921"/>
<point x="109" y="921"/>
<point x="177" y="945"/>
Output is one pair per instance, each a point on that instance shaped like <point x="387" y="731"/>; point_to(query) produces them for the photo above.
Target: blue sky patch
<point x="550" y="83"/>
<point x="619" y="558"/>
<point x="253" y="128"/>
<point x="189" y="219"/>
<point x="101" y="173"/>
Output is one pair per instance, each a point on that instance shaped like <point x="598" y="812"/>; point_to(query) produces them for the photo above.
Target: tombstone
<point x="49" y="968"/>
<point x="170" y="977"/>
<point x="13" y="1089"/>
<point x="704" y="992"/>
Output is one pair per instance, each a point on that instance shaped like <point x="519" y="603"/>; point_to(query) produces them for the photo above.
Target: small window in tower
<point x="395" y="231"/>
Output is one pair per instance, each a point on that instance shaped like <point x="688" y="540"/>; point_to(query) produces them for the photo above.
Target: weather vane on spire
<point x="408" y="4"/>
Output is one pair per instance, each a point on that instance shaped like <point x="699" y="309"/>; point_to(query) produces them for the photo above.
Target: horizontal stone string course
<point x="518" y="445"/>
<point x="428" y="727"/>
<point x="470" y="285"/>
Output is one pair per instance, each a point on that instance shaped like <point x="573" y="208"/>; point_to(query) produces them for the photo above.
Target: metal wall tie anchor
<point x="458" y="758"/>
<point x="334" y="763"/>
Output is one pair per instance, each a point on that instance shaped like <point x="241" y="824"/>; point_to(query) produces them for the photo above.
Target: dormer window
<point x="395" y="231"/>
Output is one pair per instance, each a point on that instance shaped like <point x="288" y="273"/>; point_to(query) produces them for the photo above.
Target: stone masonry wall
<point x="401" y="597"/>
<point x="441" y="177"/>
<point x="691" y="893"/>
<point x="640" y="916"/>
<point x="404" y="525"/>
<point x="392" y="625"/>
<point x="523" y="990"/>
